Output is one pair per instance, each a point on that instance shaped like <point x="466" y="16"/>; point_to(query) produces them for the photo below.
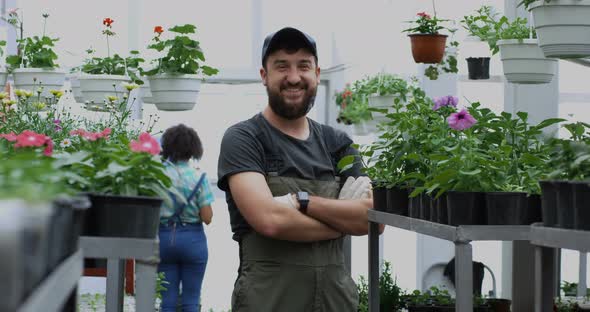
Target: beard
<point x="291" y="111"/>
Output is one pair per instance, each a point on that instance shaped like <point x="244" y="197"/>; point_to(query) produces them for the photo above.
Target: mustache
<point x="294" y="85"/>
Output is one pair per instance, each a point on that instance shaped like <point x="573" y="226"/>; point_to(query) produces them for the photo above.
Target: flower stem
<point x="433" y="8"/>
<point x="108" y="47"/>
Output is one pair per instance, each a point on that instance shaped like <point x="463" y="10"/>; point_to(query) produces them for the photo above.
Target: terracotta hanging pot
<point x="428" y="48"/>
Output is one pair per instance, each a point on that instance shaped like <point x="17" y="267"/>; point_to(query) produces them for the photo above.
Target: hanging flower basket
<point x="96" y="88"/>
<point x="175" y="92"/>
<point x="32" y="78"/>
<point x="428" y="48"/>
<point x="563" y="27"/>
<point x="524" y="62"/>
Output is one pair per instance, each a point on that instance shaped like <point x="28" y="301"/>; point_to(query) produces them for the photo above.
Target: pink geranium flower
<point x="9" y="136"/>
<point x="461" y="120"/>
<point x="91" y="136"/>
<point x="30" y="138"/>
<point x="48" y="148"/>
<point x="146" y="143"/>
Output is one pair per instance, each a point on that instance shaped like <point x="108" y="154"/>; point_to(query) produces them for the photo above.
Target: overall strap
<point x="180" y="209"/>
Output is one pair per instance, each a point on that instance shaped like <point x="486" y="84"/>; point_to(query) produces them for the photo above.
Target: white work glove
<point x="356" y="188"/>
<point x="288" y="199"/>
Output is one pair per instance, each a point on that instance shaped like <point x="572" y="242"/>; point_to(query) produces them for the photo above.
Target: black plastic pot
<point x="414" y="207"/>
<point x="124" y="216"/>
<point x="35" y="245"/>
<point x="60" y="227"/>
<point x="379" y="198"/>
<point x="565" y="205"/>
<point x="506" y="208"/>
<point x="478" y="67"/>
<point x="441" y="207"/>
<point x="581" y="199"/>
<point x="533" y="211"/>
<point x="499" y="305"/>
<point x="433" y="209"/>
<point x="466" y="208"/>
<point x="424" y="206"/>
<point x="421" y="309"/>
<point x="549" y="202"/>
<point x="397" y="201"/>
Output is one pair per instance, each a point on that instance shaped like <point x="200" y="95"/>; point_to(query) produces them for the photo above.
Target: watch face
<point x="302" y="196"/>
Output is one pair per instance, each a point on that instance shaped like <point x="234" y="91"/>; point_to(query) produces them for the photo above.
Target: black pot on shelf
<point x="533" y="211"/>
<point x="549" y="202"/>
<point x="506" y="208"/>
<point x="565" y="205"/>
<point x="414" y="207"/>
<point x="123" y="216"/>
<point x="424" y="206"/>
<point x="397" y="201"/>
<point x="441" y="207"/>
<point x="421" y="308"/>
<point x="466" y="208"/>
<point x="379" y="197"/>
<point x="499" y="304"/>
<point x="433" y="209"/>
<point x="581" y="199"/>
<point x="478" y="67"/>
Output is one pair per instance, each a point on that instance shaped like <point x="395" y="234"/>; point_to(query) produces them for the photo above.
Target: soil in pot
<point x="125" y="216"/>
<point x="466" y="208"/>
<point x="427" y="48"/>
<point x="478" y="67"/>
<point x="565" y="205"/>
<point x="397" y="201"/>
<point x="379" y="198"/>
<point x="581" y="198"/>
<point x="506" y="208"/>
<point x="549" y="202"/>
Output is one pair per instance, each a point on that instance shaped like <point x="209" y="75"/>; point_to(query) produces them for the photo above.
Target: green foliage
<point x="447" y="65"/>
<point x="36" y="52"/>
<point x="426" y="24"/>
<point x="527" y="3"/>
<point x="183" y="54"/>
<point x="484" y="24"/>
<point x="160" y="282"/>
<point x="115" y="65"/>
<point x="570" y="158"/>
<point x="390" y="295"/>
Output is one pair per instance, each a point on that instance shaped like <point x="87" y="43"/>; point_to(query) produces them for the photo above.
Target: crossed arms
<point x="325" y="219"/>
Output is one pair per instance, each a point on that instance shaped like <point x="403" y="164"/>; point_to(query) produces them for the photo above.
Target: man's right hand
<point x="355" y="188"/>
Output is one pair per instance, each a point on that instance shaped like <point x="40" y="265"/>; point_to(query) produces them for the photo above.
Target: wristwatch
<point x="303" y="199"/>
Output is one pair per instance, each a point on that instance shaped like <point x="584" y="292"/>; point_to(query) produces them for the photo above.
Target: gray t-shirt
<point x="255" y="145"/>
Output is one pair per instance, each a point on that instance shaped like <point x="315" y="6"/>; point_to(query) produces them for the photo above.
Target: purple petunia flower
<point x="58" y="128"/>
<point x="448" y="100"/>
<point x="57" y="121"/>
<point x="461" y="120"/>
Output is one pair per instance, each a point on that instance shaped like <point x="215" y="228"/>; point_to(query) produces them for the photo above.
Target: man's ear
<point x="317" y="73"/>
<point x="263" y="75"/>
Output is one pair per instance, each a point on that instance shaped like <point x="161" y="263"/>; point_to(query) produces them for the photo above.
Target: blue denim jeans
<point x="183" y="254"/>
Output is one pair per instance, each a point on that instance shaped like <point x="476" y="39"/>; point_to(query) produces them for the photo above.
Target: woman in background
<point x="183" y="245"/>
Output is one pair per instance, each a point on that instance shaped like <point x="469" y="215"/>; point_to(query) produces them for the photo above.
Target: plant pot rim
<point x="428" y="35"/>
<point x="506" y="193"/>
<point x="103" y="77"/>
<point x="541" y="3"/>
<point x="177" y="76"/>
<point x="518" y="41"/>
<point x="37" y="69"/>
<point x="123" y="196"/>
<point x="477" y="57"/>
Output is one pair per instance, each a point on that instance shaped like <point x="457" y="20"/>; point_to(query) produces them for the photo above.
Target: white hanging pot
<point x="3" y="77"/>
<point x="96" y="88"/>
<point x="31" y="79"/>
<point x="175" y="92"/>
<point x="360" y="129"/>
<point x="563" y="27"/>
<point x="524" y="62"/>
<point x="75" y="86"/>
<point x="381" y="101"/>
<point x="146" y="92"/>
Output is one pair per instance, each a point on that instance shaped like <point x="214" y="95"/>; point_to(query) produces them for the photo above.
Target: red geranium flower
<point x="423" y="14"/>
<point x="107" y="22"/>
<point x="158" y="29"/>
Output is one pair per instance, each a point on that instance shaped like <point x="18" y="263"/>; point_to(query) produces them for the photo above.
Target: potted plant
<point x="428" y="46"/>
<point x="562" y="26"/>
<point x="3" y="72"/>
<point x="522" y="59"/>
<point x="447" y="66"/>
<point x="353" y="109"/>
<point x="390" y="295"/>
<point x="175" y="82"/>
<point x="480" y="25"/>
<point x="35" y="65"/>
<point x="103" y="77"/>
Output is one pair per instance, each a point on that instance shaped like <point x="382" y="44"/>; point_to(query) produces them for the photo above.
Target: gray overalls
<point x="277" y="275"/>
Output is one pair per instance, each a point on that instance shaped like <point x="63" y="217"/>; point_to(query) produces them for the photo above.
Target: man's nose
<point x="293" y="76"/>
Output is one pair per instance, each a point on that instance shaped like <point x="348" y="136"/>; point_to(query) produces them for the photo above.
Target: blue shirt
<point x="184" y="179"/>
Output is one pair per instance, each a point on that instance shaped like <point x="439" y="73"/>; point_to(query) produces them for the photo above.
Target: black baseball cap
<point x="287" y="34"/>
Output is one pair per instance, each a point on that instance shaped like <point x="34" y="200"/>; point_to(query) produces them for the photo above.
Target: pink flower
<point x="146" y="144"/>
<point x="424" y="15"/>
<point x="448" y="100"/>
<point x="9" y="136"/>
<point x="29" y="138"/>
<point x="461" y="120"/>
<point x="91" y="136"/>
<point x="49" y="147"/>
